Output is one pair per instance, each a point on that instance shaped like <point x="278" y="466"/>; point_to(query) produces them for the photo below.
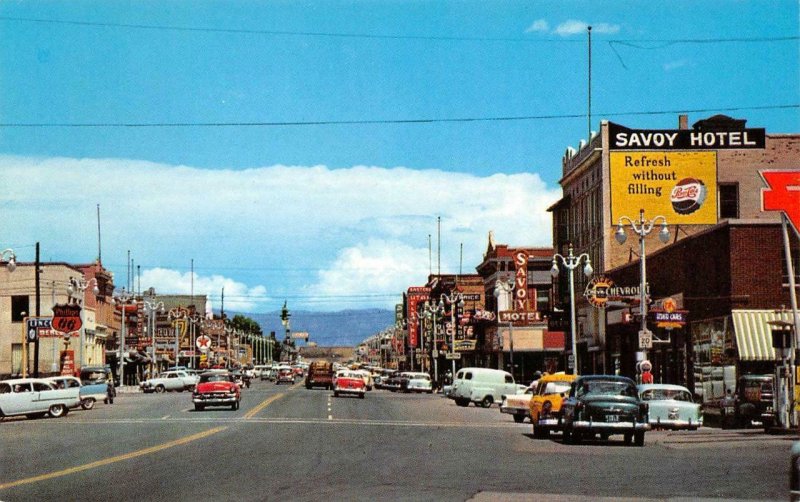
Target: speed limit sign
<point x="645" y="339"/>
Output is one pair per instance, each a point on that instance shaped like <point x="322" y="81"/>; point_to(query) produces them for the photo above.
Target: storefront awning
<point x="754" y="335"/>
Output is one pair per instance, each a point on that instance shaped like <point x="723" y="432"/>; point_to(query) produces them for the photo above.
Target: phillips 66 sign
<point x="67" y="318"/>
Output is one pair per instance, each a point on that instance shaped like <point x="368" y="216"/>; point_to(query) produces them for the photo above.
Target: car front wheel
<point x="160" y="389"/>
<point x="87" y="403"/>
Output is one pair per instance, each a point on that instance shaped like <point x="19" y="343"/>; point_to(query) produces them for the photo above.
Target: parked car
<point x="88" y="393"/>
<point x="518" y="405"/>
<point x="418" y="382"/>
<point x="753" y="401"/>
<point x="545" y="405"/>
<point x="397" y="382"/>
<point x="482" y="386"/>
<point x="285" y="375"/>
<point x="349" y="382"/>
<point x="671" y="407"/>
<point x="96" y="380"/>
<point x="35" y="397"/>
<point x="177" y="380"/>
<point x="605" y="405"/>
<point x="216" y="388"/>
<point x="367" y="376"/>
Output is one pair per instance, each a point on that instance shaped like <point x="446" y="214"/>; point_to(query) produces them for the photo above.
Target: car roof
<point x="668" y="386"/>
<point x="612" y="378"/>
<point x="558" y="377"/>
<point x="25" y="380"/>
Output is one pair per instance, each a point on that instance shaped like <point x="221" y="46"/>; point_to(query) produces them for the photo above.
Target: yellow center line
<point x="111" y="460"/>
<point x="250" y="414"/>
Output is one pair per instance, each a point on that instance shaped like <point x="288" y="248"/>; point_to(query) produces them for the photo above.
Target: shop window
<point x="20" y="307"/>
<point x="728" y="200"/>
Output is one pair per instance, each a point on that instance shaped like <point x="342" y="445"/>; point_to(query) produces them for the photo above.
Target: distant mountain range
<point x="346" y="328"/>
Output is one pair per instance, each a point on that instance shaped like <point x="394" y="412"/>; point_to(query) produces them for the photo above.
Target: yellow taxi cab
<point x="546" y="403"/>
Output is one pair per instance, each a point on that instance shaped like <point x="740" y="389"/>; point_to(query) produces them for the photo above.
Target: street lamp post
<point x="503" y="288"/>
<point x="76" y="290"/>
<point x="176" y="314"/>
<point x="8" y="254"/>
<point x="571" y="262"/>
<point x="151" y="306"/>
<point x="431" y="313"/>
<point x="122" y="298"/>
<point x="642" y="228"/>
<point x="454" y="299"/>
<point x="195" y="319"/>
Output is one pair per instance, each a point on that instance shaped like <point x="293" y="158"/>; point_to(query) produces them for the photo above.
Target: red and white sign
<point x="415" y="296"/>
<point x="783" y="194"/>
<point x="203" y="343"/>
<point x="67" y="318"/>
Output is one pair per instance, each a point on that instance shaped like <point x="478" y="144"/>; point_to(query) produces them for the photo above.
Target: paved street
<point x="296" y="444"/>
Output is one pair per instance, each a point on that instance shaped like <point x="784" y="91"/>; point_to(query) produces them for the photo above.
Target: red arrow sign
<point x="783" y="194"/>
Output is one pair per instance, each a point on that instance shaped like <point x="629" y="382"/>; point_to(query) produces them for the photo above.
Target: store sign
<point x="214" y="327"/>
<point x="415" y="296"/>
<point x="783" y="194"/>
<point x="67" y="318"/>
<point x="668" y="316"/>
<point x="622" y="138"/>
<point x="520" y="318"/>
<point x="465" y="345"/>
<point x="521" y="281"/>
<point x="597" y="291"/>
<point x="681" y="186"/>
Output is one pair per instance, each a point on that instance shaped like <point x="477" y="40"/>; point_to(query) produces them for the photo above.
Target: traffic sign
<point x="645" y="339"/>
<point x="571" y="361"/>
<point x="453" y="355"/>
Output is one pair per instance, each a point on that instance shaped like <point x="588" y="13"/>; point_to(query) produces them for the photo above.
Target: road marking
<point x="165" y="417"/>
<point x="261" y="406"/>
<point x="112" y="460"/>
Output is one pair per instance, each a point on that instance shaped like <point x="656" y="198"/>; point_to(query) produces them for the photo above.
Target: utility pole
<point x="38" y="313"/>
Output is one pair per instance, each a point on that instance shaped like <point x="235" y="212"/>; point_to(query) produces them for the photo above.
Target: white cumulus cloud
<point x="238" y="296"/>
<point x="575" y="27"/>
<point x="538" y="25"/>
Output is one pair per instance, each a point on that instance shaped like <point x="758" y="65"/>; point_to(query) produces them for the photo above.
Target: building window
<point x="729" y="200"/>
<point x="20" y="307"/>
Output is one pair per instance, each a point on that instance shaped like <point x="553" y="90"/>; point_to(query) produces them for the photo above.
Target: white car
<point x="170" y="380"/>
<point x="418" y="382"/>
<point x="34" y="397"/>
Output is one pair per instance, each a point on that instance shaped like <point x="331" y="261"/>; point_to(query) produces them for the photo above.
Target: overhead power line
<point x="384" y="121"/>
<point x="242" y="31"/>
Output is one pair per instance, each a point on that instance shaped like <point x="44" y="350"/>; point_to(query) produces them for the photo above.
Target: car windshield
<point x="93" y="377"/>
<point x="215" y="378"/>
<point x="606" y="388"/>
<point x="666" y="394"/>
<point x="553" y="387"/>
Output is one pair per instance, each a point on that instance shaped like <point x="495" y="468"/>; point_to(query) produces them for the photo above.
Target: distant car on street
<point x="545" y="405"/>
<point x="216" y="388"/>
<point x="35" y="397"/>
<point x="177" y="380"/>
<point x="285" y="375"/>
<point x="671" y="407"/>
<point x="418" y="382"/>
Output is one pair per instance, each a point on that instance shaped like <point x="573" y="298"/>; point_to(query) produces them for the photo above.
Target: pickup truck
<point x="170" y="380"/>
<point x="320" y="374"/>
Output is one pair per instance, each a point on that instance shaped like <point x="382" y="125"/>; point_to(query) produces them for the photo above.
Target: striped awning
<point x="754" y="335"/>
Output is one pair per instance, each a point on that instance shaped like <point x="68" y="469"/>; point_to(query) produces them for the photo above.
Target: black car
<point x="604" y="405"/>
<point x="753" y="401"/>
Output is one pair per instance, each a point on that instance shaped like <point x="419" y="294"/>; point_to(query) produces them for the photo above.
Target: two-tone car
<point x="604" y="405"/>
<point x="349" y="382"/>
<point x="34" y="398"/>
<point x="216" y="388"/>
<point x="671" y="407"/>
<point x="545" y="405"/>
<point x="518" y="405"/>
<point x="176" y="380"/>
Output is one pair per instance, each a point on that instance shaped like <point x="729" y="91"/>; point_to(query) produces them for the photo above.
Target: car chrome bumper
<point x="616" y="426"/>
<point x="515" y="411"/>
<point x="676" y="423"/>
<point x="548" y="422"/>
<point x="214" y="400"/>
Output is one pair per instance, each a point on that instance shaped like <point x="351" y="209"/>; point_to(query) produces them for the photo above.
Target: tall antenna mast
<point x="589" y="135"/>
<point x="430" y="256"/>
<point x="439" y="250"/>
<point x="99" y="248"/>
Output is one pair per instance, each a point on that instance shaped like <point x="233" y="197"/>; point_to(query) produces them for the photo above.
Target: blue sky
<point x="190" y="123"/>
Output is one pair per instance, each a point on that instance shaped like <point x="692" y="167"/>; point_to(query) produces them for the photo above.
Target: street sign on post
<point x="453" y="355"/>
<point x="645" y="339"/>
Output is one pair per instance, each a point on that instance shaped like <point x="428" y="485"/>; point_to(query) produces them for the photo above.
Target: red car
<point x="216" y="388"/>
<point x="349" y="382"/>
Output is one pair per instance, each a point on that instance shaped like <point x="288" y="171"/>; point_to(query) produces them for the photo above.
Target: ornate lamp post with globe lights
<point x="151" y="307"/>
<point x="76" y="290"/>
<point x="8" y="253"/>
<point x="176" y="314"/>
<point x="122" y="298"/>
<point x="571" y="262"/>
<point x="432" y="311"/>
<point x="454" y="299"/>
<point x="642" y="228"/>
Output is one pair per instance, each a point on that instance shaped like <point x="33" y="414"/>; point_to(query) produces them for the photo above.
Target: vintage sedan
<point x="671" y="407"/>
<point x="545" y="406"/>
<point x="34" y="398"/>
<point x="176" y="380"/>
<point x="349" y="382"/>
<point x="216" y="388"/>
<point x="89" y="393"/>
<point x="418" y="382"/>
<point x="285" y="374"/>
<point x="518" y="405"/>
<point x="604" y="405"/>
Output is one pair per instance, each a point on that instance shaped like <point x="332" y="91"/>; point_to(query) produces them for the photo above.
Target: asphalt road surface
<point x="290" y="443"/>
